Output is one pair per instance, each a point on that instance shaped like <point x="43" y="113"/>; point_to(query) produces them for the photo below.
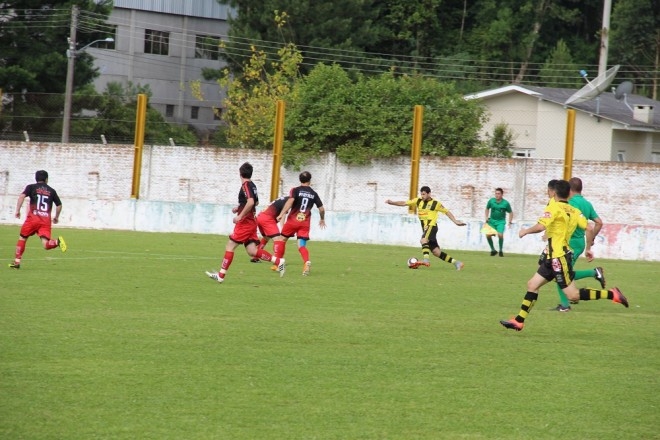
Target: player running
<point x="38" y="220"/>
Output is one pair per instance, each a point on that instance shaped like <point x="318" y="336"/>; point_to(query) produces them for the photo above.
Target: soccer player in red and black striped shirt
<point x="42" y="198"/>
<point x="298" y="220"/>
<point x="267" y="223"/>
<point x="245" y="228"/>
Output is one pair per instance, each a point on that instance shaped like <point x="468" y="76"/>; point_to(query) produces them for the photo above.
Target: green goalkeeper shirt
<point x="499" y="209"/>
<point x="587" y="210"/>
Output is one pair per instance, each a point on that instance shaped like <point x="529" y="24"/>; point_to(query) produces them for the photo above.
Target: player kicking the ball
<point x="427" y="211"/>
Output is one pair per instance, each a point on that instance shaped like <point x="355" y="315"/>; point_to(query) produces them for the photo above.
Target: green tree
<point x="635" y="41"/>
<point x="371" y="117"/>
<point x="332" y="26"/>
<point x="487" y="42"/>
<point x="115" y="114"/>
<point x="33" y="38"/>
<point x="499" y="144"/>
<point x="30" y="35"/>
<point x="252" y="96"/>
<point x="559" y="69"/>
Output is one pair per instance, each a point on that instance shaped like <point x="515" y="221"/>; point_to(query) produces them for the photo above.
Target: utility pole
<point x="604" y="37"/>
<point x="68" y="92"/>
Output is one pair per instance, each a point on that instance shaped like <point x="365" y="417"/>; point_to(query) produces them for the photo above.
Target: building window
<point x="207" y="48"/>
<point x="169" y="110"/>
<point x="522" y="153"/>
<point x="217" y="113"/>
<point x="194" y="112"/>
<point x="156" y="42"/>
<point x="655" y="157"/>
<point x="621" y="156"/>
<point x="111" y="32"/>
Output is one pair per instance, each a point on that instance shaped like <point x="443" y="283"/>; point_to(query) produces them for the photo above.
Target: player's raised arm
<point x="452" y="218"/>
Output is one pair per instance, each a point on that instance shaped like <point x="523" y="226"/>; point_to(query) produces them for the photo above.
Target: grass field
<point x="123" y="337"/>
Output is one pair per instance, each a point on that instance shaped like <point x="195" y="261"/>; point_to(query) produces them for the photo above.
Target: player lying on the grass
<point x="559" y="221"/>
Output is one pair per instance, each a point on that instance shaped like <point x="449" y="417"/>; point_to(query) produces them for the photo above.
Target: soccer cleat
<point x="281" y="268"/>
<point x="513" y="324"/>
<point x="273" y="267"/>
<point x="561" y="308"/>
<point x="493" y="253"/>
<point x="501" y="254"/>
<point x="215" y="276"/>
<point x="424" y="263"/>
<point x="459" y="265"/>
<point x="14" y="265"/>
<point x="61" y="243"/>
<point x="600" y="276"/>
<point x="619" y="298"/>
<point x="306" y="268"/>
<point x="255" y="260"/>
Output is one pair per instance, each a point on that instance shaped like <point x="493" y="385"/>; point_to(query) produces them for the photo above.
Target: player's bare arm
<point x="456" y="222"/>
<point x="533" y="230"/>
<point x="19" y="204"/>
<point x="598" y="224"/>
<point x="395" y="203"/>
<point x="56" y="219"/>
<point x="322" y="215"/>
<point x="285" y="209"/>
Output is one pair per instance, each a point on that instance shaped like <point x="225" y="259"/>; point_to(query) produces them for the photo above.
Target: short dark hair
<point x="425" y="189"/>
<point x="41" y="176"/>
<point x="576" y="184"/>
<point x="305" y="177"/>
<point x="553" y="184"/>
<point x="500" y="190"/>
<point x="563" y="189"/>
<point x="246" y="170"/>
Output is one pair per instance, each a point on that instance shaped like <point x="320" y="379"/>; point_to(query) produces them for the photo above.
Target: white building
<point x="606" y="128"/>
<point x="166" y="44"/>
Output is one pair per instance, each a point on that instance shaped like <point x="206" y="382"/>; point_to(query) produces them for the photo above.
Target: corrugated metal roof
<point x="190" y="8"/>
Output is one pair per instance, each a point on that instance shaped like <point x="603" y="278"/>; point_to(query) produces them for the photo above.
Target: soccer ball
<point x="412" y="263"/>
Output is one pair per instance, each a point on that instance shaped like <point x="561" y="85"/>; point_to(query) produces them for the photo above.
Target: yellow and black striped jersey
<point x="560" y="220"/>
<point x="427" y="210"/>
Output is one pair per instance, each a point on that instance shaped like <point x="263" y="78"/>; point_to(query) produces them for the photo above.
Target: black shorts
<point x="559" y="269"/>
<point x="430" y="233"/>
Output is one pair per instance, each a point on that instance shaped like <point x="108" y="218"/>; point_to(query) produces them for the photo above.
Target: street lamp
<point x="71" y="53"/>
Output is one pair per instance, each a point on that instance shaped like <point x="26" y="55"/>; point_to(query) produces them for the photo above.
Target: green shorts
<point x="498" y="225"/>
<point x="577" y="245"/>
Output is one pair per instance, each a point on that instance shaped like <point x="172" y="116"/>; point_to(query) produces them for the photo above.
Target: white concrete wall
<point x="186" y="189"/>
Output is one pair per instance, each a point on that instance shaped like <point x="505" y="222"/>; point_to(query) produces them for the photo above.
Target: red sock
<point x="226" y="262"/>
<point x="279" y="247"/>
<point x="262" y="243"/>
<point x="263" y="255"/>
<point x="50" y="244"/>
<point x="20" y="249"/>
<point x="304" y="253"/>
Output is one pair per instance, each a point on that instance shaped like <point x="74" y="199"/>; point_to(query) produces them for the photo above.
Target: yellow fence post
<point x="416" y="151"/>
<point x="570" y="138"/>
<point x="277" y="150"/>
<point x="140" y="123"/>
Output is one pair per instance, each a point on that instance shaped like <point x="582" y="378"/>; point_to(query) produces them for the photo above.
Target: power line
<point x="445" y="68"/>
